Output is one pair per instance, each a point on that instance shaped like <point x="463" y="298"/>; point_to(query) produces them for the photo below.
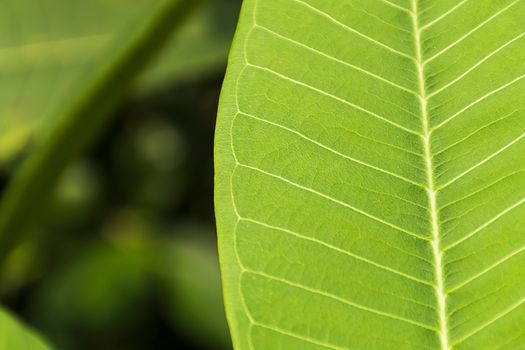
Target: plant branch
<point x="81" y="122"/>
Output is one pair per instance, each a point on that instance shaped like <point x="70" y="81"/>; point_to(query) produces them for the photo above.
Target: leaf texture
<point x="370" y="175"/>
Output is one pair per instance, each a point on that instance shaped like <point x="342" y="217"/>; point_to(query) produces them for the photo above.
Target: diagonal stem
<point x="81" y="120"/>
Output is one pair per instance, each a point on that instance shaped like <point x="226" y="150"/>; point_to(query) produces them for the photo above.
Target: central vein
<point x="431" y="190"/>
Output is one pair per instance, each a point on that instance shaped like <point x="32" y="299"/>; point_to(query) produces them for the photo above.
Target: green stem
<point x="81" y="122"/>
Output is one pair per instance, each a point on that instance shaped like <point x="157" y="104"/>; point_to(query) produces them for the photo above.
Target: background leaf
<point x="199" y="49"/>
<point x="102" y="226"/>
<point x="191" y="289"/>
<point x="37" y="177"/>
<point x="45" y="50"/>
<point x="369" y="161"/>
<point x="81" y="119"/>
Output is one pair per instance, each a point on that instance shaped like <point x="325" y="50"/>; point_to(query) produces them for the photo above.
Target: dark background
<point x="125" y="256"/>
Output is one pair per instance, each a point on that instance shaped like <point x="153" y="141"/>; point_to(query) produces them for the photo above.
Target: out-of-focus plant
<point x="123" y="255"/>
<point x="107" y="59"/>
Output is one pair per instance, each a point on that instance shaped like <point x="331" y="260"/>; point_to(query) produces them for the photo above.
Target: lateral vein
<point x="472" y="31"/>
<point x="483" y="161"/>
<point x="350" y="29"/>
<point x="330" y="149"/>
<point x="491" y="321"/>
<point x="342" y="251"/>
<point x="335" y="59"/>
<point x="486" y="224"/>
<point x="477" y="64"/>
<point x="396" y="6"/>
<point x="335" y="200"/>
<point x="488" y="269"/>
<point x="291" y="334"/>
<point x="481" y="99"/>
<point x="337" y="298"/>
<point x="447" y="13"/>
<point x="334" y="97"/>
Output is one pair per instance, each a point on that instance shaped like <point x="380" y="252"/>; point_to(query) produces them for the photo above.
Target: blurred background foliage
<point x="125" y="255"/>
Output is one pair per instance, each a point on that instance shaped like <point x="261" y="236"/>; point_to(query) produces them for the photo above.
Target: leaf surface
<point x="369" y="175"/>
<point x="14" y="336"/>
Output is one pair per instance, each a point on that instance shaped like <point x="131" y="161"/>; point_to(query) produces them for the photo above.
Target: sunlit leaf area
<point x="370" y="159"/>
<point x="107" y="116"/>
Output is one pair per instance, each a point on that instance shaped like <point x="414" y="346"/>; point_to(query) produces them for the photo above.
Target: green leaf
<point x="45" y="49"/>
<point x="370" y="175"/>
<point x="92" y="293"/>
<point x="49" y="49"/>
<point x="14" y="336"/>
<point x="188" y="270"/>
<point x="80" y="118"/>
<point x="199" y="49"/>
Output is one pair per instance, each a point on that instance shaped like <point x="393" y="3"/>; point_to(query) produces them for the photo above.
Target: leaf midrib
<point x="431" y="188"/>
